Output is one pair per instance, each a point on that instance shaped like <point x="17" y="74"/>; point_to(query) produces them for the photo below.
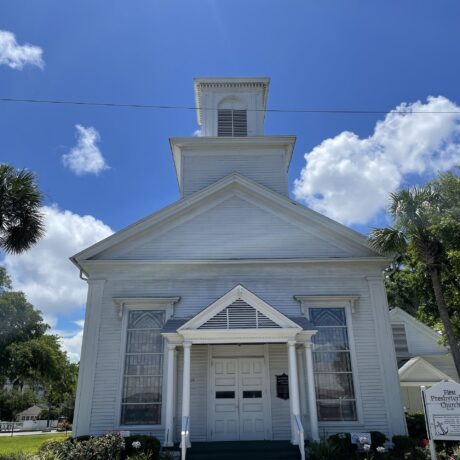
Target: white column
<point x="169" y="403"/>
<point x="293" y="390"/>
<point x="302" y="384"/>
<point x="186" y="380"/>
<point x="311" y="392"/>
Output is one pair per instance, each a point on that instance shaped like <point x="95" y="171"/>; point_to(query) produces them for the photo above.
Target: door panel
<point x="225" y="399"/>
<point x="238" y="399"/>
<point x="252" y="402"/>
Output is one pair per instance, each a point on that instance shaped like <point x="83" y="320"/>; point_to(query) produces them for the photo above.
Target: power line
<point x="184" y="107"/>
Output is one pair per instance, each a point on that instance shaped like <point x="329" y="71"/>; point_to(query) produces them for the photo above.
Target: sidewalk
<point x="27" y="433"/>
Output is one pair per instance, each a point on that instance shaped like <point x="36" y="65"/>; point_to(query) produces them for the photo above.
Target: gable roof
<point x="418" y="370"/>
<point x="232" y="181"/>
<point x="399" y="315"/>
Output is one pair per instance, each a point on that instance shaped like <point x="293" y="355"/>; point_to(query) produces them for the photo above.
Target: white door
<point x="238" y="399"/>
<point x="224" y="397"/>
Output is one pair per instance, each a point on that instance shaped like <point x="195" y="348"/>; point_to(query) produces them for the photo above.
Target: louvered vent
<point x="399" y="338"/>
<point x="232" y="123"/>
<point x="239" y="315"/>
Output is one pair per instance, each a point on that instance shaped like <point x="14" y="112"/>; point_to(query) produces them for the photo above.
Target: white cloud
<point x="197" y="133"/>
<point x="71" y="340"/>
<point x="85" y="157"/>
<point x="45" y="273"/>
<point x="349" y="179"/>
<point x="18" y="56"/>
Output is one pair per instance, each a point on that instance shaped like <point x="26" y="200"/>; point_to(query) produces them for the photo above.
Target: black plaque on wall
<point x="282" y="386"/>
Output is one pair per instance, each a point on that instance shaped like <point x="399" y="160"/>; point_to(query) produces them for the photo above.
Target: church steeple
<point x="231" y="107"/>
<point x="231" y="113"/>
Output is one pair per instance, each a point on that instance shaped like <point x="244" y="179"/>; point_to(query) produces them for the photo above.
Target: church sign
<point x="442" y="411"/>
<point x="282" y="386"/>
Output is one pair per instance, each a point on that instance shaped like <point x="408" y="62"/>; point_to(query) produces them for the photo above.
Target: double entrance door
<point x="239" y="399"/>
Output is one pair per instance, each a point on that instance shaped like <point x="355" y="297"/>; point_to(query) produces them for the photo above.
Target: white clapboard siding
<point x="268" y="169"/>
<point x="203" y="285"/>
<point x="235" y="228"/>
<point x="444" y="363"/>
<point x="281" y="425"/>
<point x="420" y="343"/>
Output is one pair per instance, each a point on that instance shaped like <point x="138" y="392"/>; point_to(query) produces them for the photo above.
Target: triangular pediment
<point x="239" y="309"/>
<point x="235" y="218"/>
<point x="419" y="370"/>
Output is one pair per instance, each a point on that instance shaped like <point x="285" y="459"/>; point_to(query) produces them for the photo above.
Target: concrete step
<point x="243" y="450"/>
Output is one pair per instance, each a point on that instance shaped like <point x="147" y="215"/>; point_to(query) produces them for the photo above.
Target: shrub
<point x="323" y="450"/>
<point x="345" y="449"/>
<point x="378" y="439"/>
<point x="416" y="425"/>
<point x="148" y="444"/>
<point x="107" y="447"/>
<point x="402" y="444"/>
<point x="85" y="437"/>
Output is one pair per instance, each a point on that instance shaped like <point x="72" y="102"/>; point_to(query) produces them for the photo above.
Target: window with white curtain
<point x="143" y="368"/>
<point x="335" y="395"/>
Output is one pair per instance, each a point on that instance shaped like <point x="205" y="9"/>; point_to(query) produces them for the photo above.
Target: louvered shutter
<point x="239" y="315"/>
<point x="400" y="338"/>
<point x="232" y="123"/>
<point x="225" y="123"/>
<point x="240" y="123"/>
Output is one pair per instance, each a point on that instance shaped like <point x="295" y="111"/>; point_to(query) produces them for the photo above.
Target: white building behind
<point x="422" y="359"/>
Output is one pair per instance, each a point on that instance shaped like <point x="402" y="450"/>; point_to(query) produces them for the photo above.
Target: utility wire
<point x="184" y="107"/>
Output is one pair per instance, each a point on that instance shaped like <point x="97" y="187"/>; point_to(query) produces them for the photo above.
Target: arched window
<point x="232" y="119"/>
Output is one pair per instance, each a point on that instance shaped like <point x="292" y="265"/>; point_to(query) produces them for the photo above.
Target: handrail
<point x="301" y="434"/>
<point x="184" y="434"/>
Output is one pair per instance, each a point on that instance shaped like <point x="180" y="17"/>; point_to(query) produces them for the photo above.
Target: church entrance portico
<point x="240" y="384"/>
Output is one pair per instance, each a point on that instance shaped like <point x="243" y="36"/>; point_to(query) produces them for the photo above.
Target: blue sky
<point x="323" y="54"/>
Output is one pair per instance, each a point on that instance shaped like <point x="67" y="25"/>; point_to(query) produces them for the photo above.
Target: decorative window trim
<point x="348" y="302"/>
<point x="331" y="300"/>
<point x="124" y="305"/>
<point x="144" y="303"/>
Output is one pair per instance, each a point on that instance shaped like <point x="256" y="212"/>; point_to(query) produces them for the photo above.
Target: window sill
<point x="341" y="422"/>
<point x="140" y="427"/>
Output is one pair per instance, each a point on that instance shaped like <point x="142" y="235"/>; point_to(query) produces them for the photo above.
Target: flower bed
<point x="108" y="447"/>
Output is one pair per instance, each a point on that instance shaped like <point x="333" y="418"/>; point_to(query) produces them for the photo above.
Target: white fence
<point x="28" y="425"/>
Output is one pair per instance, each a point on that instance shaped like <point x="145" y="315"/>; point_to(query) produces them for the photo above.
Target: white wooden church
<point x="235" y="313"/>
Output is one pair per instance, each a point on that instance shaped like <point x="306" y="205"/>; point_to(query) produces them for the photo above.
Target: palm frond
<point x="21" y="221"/>
<point x="387" y="240"/>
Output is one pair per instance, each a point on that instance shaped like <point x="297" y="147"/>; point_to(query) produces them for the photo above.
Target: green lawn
<point x="29" y="443"/>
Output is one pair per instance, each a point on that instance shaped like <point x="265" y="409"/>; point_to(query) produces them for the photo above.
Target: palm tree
<point x="414" y="212"/>
<point x="21" y="222"/>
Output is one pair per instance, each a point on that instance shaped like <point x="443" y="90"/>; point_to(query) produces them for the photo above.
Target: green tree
<point x="21" y="222"/>
<point x="39" y="360"/>
<point x="30" y="356"/>
<point x="14" y="401"/>
<point x="426" y="230"/>
<point x="19" y="323"/>
<point x="5" y="280"/>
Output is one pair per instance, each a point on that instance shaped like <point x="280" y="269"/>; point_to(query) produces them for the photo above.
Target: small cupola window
<point x="232" y="118"/>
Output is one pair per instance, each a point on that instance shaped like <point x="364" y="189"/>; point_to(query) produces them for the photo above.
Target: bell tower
<point x="231" y="107"/>
<point x="231" y="114"/>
